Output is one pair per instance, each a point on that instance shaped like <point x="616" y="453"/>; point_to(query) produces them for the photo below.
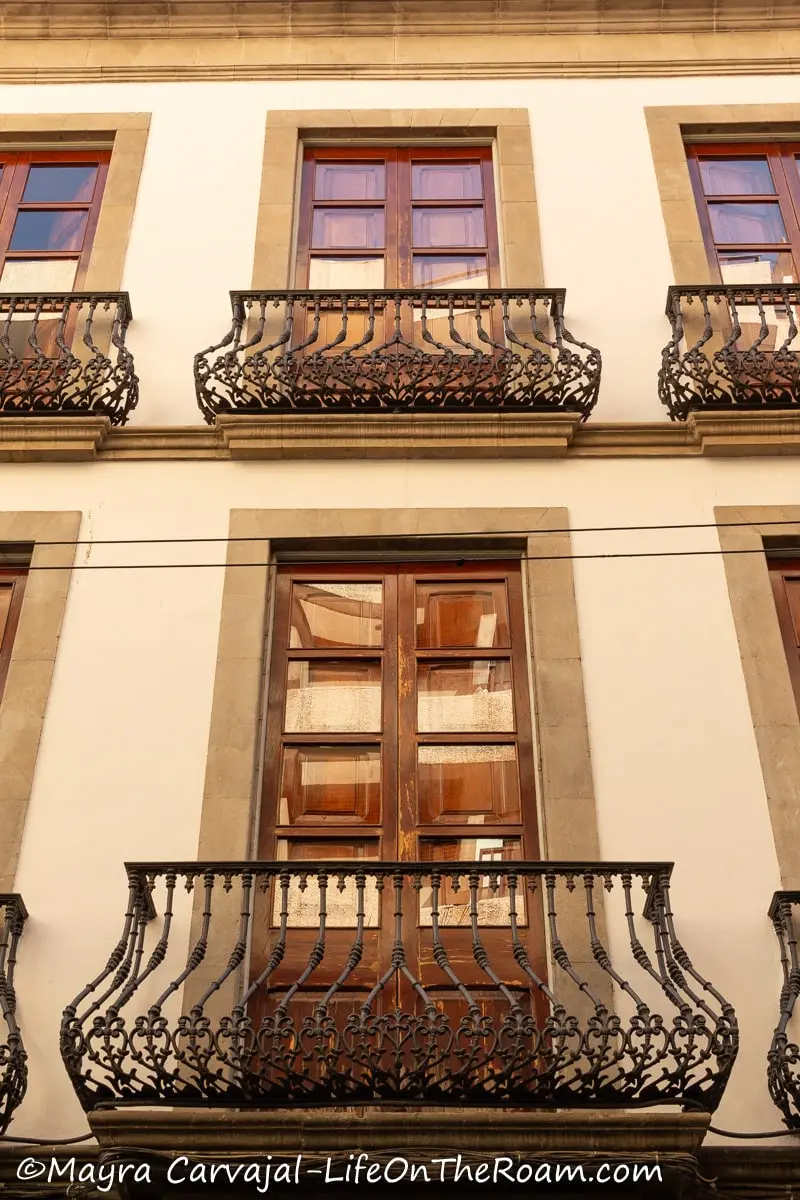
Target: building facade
<point x="399" y="436"/>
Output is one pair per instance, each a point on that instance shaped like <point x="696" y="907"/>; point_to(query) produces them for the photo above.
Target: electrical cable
<point x="439" y="534"/>
<point x="343" y="562"/>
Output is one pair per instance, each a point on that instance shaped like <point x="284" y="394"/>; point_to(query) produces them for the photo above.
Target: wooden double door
<point x="398" y="730"/>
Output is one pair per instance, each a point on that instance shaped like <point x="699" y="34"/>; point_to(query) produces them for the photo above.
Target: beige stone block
<point x="769" y="691"/>
<point x="12" y="822"/>
<point x="779" y="751"/>
<point x="559" y="691"/>
<point x="28" y="684"/>
<point x="514" y="147"/>
<point x="516" y="185"/>
<point x="682" y="221"/>
<point x="522" y="254"/>
<point x="39" y="627"/>
<point x="226" y="828"/>
<point x="242" y="627"/>
<point x="19" y="742"/>
<point x="272" y="267"/>
<point x="566" y="761"/>
<point x="689" y="262"/>
<point x="570" y="831"/>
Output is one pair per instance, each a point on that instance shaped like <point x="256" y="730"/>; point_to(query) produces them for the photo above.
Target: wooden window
<point x="49" y="206"/>
<point x="398" y="728"/>
<point x="399" y="715"/>
<point x="397" y="217"/>
<point x="12" y="587"/>
<point x="785" y="579"/>
<point x="748" y="200"/>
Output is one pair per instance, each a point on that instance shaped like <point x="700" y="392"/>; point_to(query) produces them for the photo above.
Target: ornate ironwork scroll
<point x="13" y="1068"/>
<point x="731" y="347"/>
<point x="180" y="1016"/>
<point x="65" y="355"/>
<point x="783" y="1061"/>
<point x="397" y="350"/>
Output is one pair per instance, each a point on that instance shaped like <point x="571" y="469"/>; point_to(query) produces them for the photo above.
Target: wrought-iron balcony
<point x="263" y="984"/>
<point x="64" y="354"/>
<point x="783" y="1071"/>
<point x="731" y="348"/>
<point x="397" y="351"/>
<point x="13" y="1068"/>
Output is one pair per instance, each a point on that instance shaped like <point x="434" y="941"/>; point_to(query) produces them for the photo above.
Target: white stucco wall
<point x="121" y="762"/>
<point x="601" y="223"/>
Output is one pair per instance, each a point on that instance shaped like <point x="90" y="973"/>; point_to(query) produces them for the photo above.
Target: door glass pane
<point x="467" y="696"/>
<point x="341" y="907"/>
<point x="494" y="907"/>
<point x="34" y="230"/>
<point x="453" y="615"/>
<point x="357" y="274"/>
<point x="333" y="697"/>
<point x="468" y="785"/>
<point x="450" y="271"/>
<point x="51" y="184"/>
<point x="348" y="228"/>
<point x="336" y="614"/>
<point x="736" y="177"/>
<point x="747" y="222"/>
<point x="349" y="181"/>
<point x="755" y="266"/>
<point x="330" y="784"/>
<point x="448" y="227"/>
<point x="446" y="181"/>
<point x="38" y="275"/>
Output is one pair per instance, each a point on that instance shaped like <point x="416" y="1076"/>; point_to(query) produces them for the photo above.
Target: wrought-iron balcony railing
<point x="468" y="983"/>
<point x="397" y="350"/>
<point x="783" y="1071"/>
<point x="731" y="348"/>
<point x="65" y="355"/>
<point x="13" y="1068"/>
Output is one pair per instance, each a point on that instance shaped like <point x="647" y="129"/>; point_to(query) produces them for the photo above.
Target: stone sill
<point x="428" y="1133"/>
<point x="472" y="434"/>
<point x="740" y="433"/>
<point x="414" y="435"/>
<point x="51" y="439"/>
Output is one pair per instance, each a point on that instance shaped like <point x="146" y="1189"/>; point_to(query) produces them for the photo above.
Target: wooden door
<point x="785" y="578"/>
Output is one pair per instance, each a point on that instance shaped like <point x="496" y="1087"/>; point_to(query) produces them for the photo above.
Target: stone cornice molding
<point x="334" y="18"/>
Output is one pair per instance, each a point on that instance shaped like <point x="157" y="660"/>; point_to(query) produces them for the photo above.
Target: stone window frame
<point x="667" y="128"/>
<point x="568" y="817"/>
<point x="507" y="128"/>
<point x="748" y="533"/>
<point x="567" y="814"/>
<point x="126" y="135"/>
<point x="53" y="536"/>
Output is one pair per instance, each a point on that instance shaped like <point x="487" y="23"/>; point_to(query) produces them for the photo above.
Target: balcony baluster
<point x="395" y="351"/>
<point x="13" y="1060"/>
<point x="783" y="1071"/>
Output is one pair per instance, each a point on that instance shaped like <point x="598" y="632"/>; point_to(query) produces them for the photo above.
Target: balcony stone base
<point x="467" y="434"/>
<point x="422" y="1135"/>
<point x="51" y="439"/>
<point x="739" y="432"/>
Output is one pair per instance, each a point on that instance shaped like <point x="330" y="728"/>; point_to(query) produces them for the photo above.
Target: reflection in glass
<point x="450" y="271"/>
<point x="331" y="784"/>
<point x="48" y="230"/>
<point x="336" y="614"/>
<point x="747" y="222"/>
<point x="348" y="228"/>
<point x="454" y="904"/>
<point x="448" y="227"/>
<point x="755" y="266"/>
<point x="333" y="697"/>
<point x="736" y="177"/>
<point x="454" y="615"/>
<point x="54" y="183"/>
<point x="349" y="181"/>
<point x="329" y="274"/>
<point x="38" y="275"/>
<point x="469" y="785"/>
<point x="467" y="696"/>
<point x="446" y="181"/>
<point x="341" y="906"/>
